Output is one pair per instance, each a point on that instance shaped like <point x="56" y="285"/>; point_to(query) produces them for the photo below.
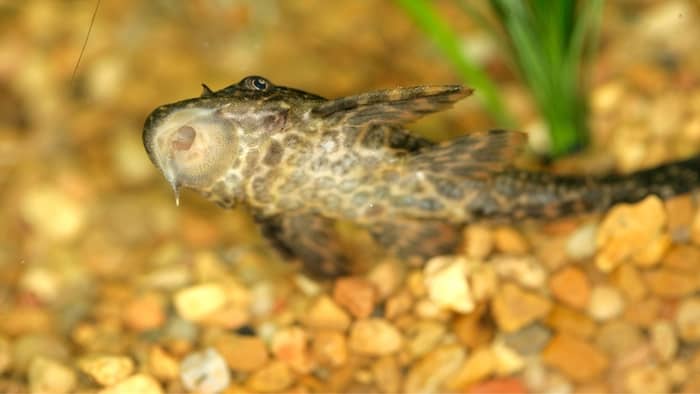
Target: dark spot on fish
<point x="374" y="138"/>
<point x="360" y="199"/>
<point x="261" y="190"/>
<point x="390" y="176"/>
<point x="398" y="139"/>
<point x="351" y="135"/>
<point x="275" y="121"/>
<point x="447" y="188"/>
<point x="430" y="204"/>
<point x="404" y="201"/>
<point x="374" y="210"/>
<point x="274" y="153"/>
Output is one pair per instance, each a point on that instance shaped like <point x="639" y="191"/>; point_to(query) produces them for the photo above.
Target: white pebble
<point x="605" y="303"/>
<point x="205" y="372"/>
<point x="581" y="244"/>
<point x="446" y="281"/>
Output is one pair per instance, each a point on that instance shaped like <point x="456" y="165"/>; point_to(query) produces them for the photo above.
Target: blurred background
<point x="93" y="250"/>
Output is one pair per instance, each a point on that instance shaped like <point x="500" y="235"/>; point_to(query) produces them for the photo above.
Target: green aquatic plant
<point x="550" y="42"/>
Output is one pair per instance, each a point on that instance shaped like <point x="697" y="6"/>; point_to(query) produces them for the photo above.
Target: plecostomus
<point x="299" y="162"/>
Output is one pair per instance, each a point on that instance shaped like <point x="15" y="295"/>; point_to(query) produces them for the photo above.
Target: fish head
<point x="195" y="142"/>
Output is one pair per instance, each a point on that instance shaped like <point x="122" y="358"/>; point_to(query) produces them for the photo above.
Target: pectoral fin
<point x="310" y="238"/>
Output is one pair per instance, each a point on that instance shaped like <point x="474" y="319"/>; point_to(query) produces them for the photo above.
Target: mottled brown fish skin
<point x="299" y="162"/>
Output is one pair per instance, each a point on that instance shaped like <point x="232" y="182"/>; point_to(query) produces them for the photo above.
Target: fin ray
<point x="476" y="156"/>
<point x="392" y="106"/>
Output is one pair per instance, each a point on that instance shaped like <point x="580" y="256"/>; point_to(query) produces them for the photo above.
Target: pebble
<point x="540" y="379"/>
<point x="628" y="279"/>
<point x="529" y="340"/>
<point x="677" y="372"/>
<point x="205" y="371"/>
<point x="446" y="281"/>
<point x="386" y="277"/>
<point x="606" y="303"/>
<point x="231" y="317"/>
<point x="501" y="385"/>
<point x="479" y="241"/>
<point x="181" y="329"/>
<point x="429" y="374"/>
<point x="671" y="283"/>
<point x="692" y="385"/>
<point x="664" y="340"/>
<point x="307" y="285"/>
<point x="480" y="364"/>
<point x="107" y="370"/>
<point x="508" y="361"/>
<point x="355" y="294"/>
<point x="374" y="337"/>
<point x="644" y="313"/>
<point x="242" y="353"/>
<point x="387" y="375"/>
<point x="329" y="347"/>
<point x="574" y="357"/>
<point x="618" y="338"/>
<point x="139" y="383"/>
<point x="129" y="161"/>
<point x="680" y="217"/>
<point x="53" y="214"/>
<point x="5" y="354"/>
<point x="682" y="258"/>
<point x="551" y="251"/>
<point x="171" y="277"/>
<point x="25" y="319"/>
<point x="510" y="241"/>
<point x="647" y="380"/>
<point x="274" y="377"/>
<point x="581" y="244"/>
<point x="474" y="329"/>
<point x="28" y="346"/>
<point x="571" y="286"/>
<point x="41" y="282"/>
<point x="416" y="284"/>
<point x="695" y="229"/>
<point x="325" y="313"/>
<point x="514" y="308"/>
<point x="50" y="376"/>
<point x="398" y="304"/>
<point x="526" y="271"/>
<point x="145" y="312"/>
<point x="484" y="282"/>
<point x="633" y="231"/>
<point x="162" y="365"/>
<point x="197" y="302"/>
<point x="290" y="345"/>
<point x="688" y="319"/>
<point x="422" y="336"/>
<point x="606" y="97"/>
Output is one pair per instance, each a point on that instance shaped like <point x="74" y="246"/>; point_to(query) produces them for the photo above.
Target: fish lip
<point x="156" y="117"/>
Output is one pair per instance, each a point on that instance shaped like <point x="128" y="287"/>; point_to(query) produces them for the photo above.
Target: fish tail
<point x="531" y="194"/>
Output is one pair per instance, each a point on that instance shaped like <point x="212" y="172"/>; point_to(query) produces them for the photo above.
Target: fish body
<point x="299" y="162"/>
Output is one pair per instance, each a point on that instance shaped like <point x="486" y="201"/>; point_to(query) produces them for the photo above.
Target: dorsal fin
<point x="206" y="91"/>
<point x="393" y="106"/>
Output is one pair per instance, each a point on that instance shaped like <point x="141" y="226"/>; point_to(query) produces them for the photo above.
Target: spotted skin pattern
<point x="300" y="162"/>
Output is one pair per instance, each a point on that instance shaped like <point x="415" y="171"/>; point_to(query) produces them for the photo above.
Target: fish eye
<point x="257" y="83"/>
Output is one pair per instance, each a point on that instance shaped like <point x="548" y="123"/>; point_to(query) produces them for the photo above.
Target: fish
<point x="300" y="162"/>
